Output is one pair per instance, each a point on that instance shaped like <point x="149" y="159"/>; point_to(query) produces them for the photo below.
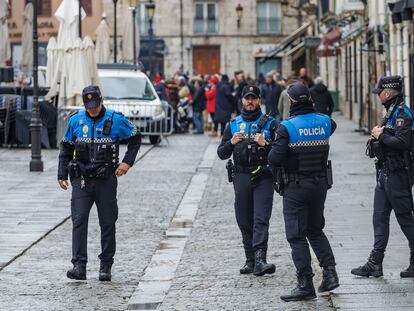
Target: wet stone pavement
<point x="179" y="192"/>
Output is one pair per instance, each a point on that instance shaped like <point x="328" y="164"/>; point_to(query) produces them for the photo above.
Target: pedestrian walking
<point x="300" y="158"/>
<point x="160" y="86"/>
<point x="247" y="138"/>
<point x="224" y="103"/>
<point x="210" y="93"/>
<point x="270" y="94"/>
<point x="390" y="146"/>
<point x="89" y="155"/>
<point x="199" y="105"/>
<point x="321" y="97"/>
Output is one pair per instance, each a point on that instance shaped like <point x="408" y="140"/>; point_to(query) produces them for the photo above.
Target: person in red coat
<point x="210" y="91"/>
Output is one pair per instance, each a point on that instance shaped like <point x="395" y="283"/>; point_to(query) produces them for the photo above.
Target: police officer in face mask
<point x="89" y="155"/>
<point x="247" y="138"/>
<point x="390" y="145"/>
<point x="300" y="156"/>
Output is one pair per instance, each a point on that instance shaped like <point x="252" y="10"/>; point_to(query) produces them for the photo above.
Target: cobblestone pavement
<point x="148" y="197"/>
<point x="31" y="203"/>
<point x="207" y="277"/>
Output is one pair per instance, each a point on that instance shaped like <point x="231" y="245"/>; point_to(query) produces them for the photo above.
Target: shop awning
<point x="285" y="43"/>
<point x="401" y="11"/>
<point x="296" y="51"/>
<point x="327" y="47"/>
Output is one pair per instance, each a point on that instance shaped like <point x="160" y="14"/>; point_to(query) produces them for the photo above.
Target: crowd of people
<point x="214" y="99"/>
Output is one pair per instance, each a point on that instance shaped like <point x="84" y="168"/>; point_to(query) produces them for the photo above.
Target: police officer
<point x="300" y="152"/>
<point x="89" y="155"/>
<point x="247" y="138"/>
<point x="390" y="145"/>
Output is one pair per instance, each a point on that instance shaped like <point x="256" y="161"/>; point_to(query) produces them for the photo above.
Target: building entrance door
<point x="206" y="59"/>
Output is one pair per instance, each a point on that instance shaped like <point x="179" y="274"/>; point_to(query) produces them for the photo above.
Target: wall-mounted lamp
<point x="284" y="5"/>
<point x="239" y="11"/>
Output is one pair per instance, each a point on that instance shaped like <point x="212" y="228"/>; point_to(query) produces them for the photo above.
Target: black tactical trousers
<point x="102" y="192"/>
<point x="303" y="207"/>
<point x="253" y="205"/>
<point x="392" y="193"/>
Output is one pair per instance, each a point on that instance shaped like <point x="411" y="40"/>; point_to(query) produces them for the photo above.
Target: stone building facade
<point x="206" y="36"/>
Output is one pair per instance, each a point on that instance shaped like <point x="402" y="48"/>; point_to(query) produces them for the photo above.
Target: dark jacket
<point x="224" y="103"/>
<point x="270" y="97"/>
<point x="322" y="99"/>
<point x="199" y="100"/>
<point x="160" y="88"/>
<point x="238" y="95"/>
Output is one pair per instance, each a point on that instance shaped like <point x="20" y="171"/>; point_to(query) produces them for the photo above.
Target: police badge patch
<point x="399" y="122"/>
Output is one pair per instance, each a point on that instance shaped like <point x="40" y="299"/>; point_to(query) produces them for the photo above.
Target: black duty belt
<point x="246" y="169"/>
<point x="297" y="177"/>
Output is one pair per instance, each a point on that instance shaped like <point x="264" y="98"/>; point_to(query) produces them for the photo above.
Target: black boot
<point x="330" y="279"/>
<point x="78" y="272"/>
<point x="105" y="271"/>
<point x="249" y="265"/>
<point x="261" y="267"/>
<point x="304" y="290"/>
<point x="409" y="272"/>
<point x="373" y="267"/>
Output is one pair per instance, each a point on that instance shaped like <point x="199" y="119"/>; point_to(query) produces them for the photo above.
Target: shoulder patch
<point x="120" y="113"/>
<point x="399" y="122"/>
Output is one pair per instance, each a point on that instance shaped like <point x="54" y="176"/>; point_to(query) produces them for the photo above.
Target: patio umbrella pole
<point x="36" y="164"/>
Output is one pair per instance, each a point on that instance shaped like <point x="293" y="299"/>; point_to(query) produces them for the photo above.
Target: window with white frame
<point x="268" y="17"/>
<point x="205" y="17"/>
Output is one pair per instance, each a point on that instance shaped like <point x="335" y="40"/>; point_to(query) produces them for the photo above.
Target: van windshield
<point x="126" y="88"/>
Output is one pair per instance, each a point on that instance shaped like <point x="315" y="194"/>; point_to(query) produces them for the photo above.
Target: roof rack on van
<point x="138" y="67"/>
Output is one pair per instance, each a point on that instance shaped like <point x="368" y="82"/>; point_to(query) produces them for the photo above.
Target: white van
<point x="126" y="89"/>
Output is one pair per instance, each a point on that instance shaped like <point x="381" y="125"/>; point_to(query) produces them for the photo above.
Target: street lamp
<point x="115" y="35"/>
<point x="133" y="4"/>
<point x="150" y="6"/>
<point x="284" y="5"/>
<point x="80" y="18"/>
<point x="36" y="164"/>
<point x="239" y="11"/>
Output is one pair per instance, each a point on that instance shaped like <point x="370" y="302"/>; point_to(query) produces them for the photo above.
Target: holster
<point x="230" y="170"/>
<point x="374" y="149"/>
<point x="74" y="170"/>
<point x="329" y="174"/>
<point x="279" y="179"/>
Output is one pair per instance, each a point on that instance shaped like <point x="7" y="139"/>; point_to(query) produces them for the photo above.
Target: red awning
<point x="327" y="47"/>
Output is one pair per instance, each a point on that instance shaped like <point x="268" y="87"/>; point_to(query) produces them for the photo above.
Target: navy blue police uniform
<point x="252" y="181"/>
<point x="300" y="156"/>
<point x="394" y="181"/>
<point x="90" y="155"/>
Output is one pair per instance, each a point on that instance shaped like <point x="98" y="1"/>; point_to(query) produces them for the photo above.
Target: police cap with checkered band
<point x="390" y="82"/>
<point x="91" y="96"/>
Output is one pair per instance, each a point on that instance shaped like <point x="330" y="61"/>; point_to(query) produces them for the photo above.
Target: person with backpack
<point x="390" y="145"/>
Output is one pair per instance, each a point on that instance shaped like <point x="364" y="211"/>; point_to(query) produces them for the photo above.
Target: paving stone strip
<point x="157" y="279"/>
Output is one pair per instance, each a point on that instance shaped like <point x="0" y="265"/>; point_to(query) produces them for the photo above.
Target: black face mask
<point x="396" y="99"/>
<point x="251" y="115"/>
<point x="301" y="108"/>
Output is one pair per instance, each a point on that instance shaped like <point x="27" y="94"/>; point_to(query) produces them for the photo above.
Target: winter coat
<point x="270" y="97"/>
<point x="322" y="99"/>
<point x="224" y="103"/>
<point x="284" y="106"/>
<point x="199" y="100"/>
<point x="160" y="88"/>
<point x="211" y="98"/>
